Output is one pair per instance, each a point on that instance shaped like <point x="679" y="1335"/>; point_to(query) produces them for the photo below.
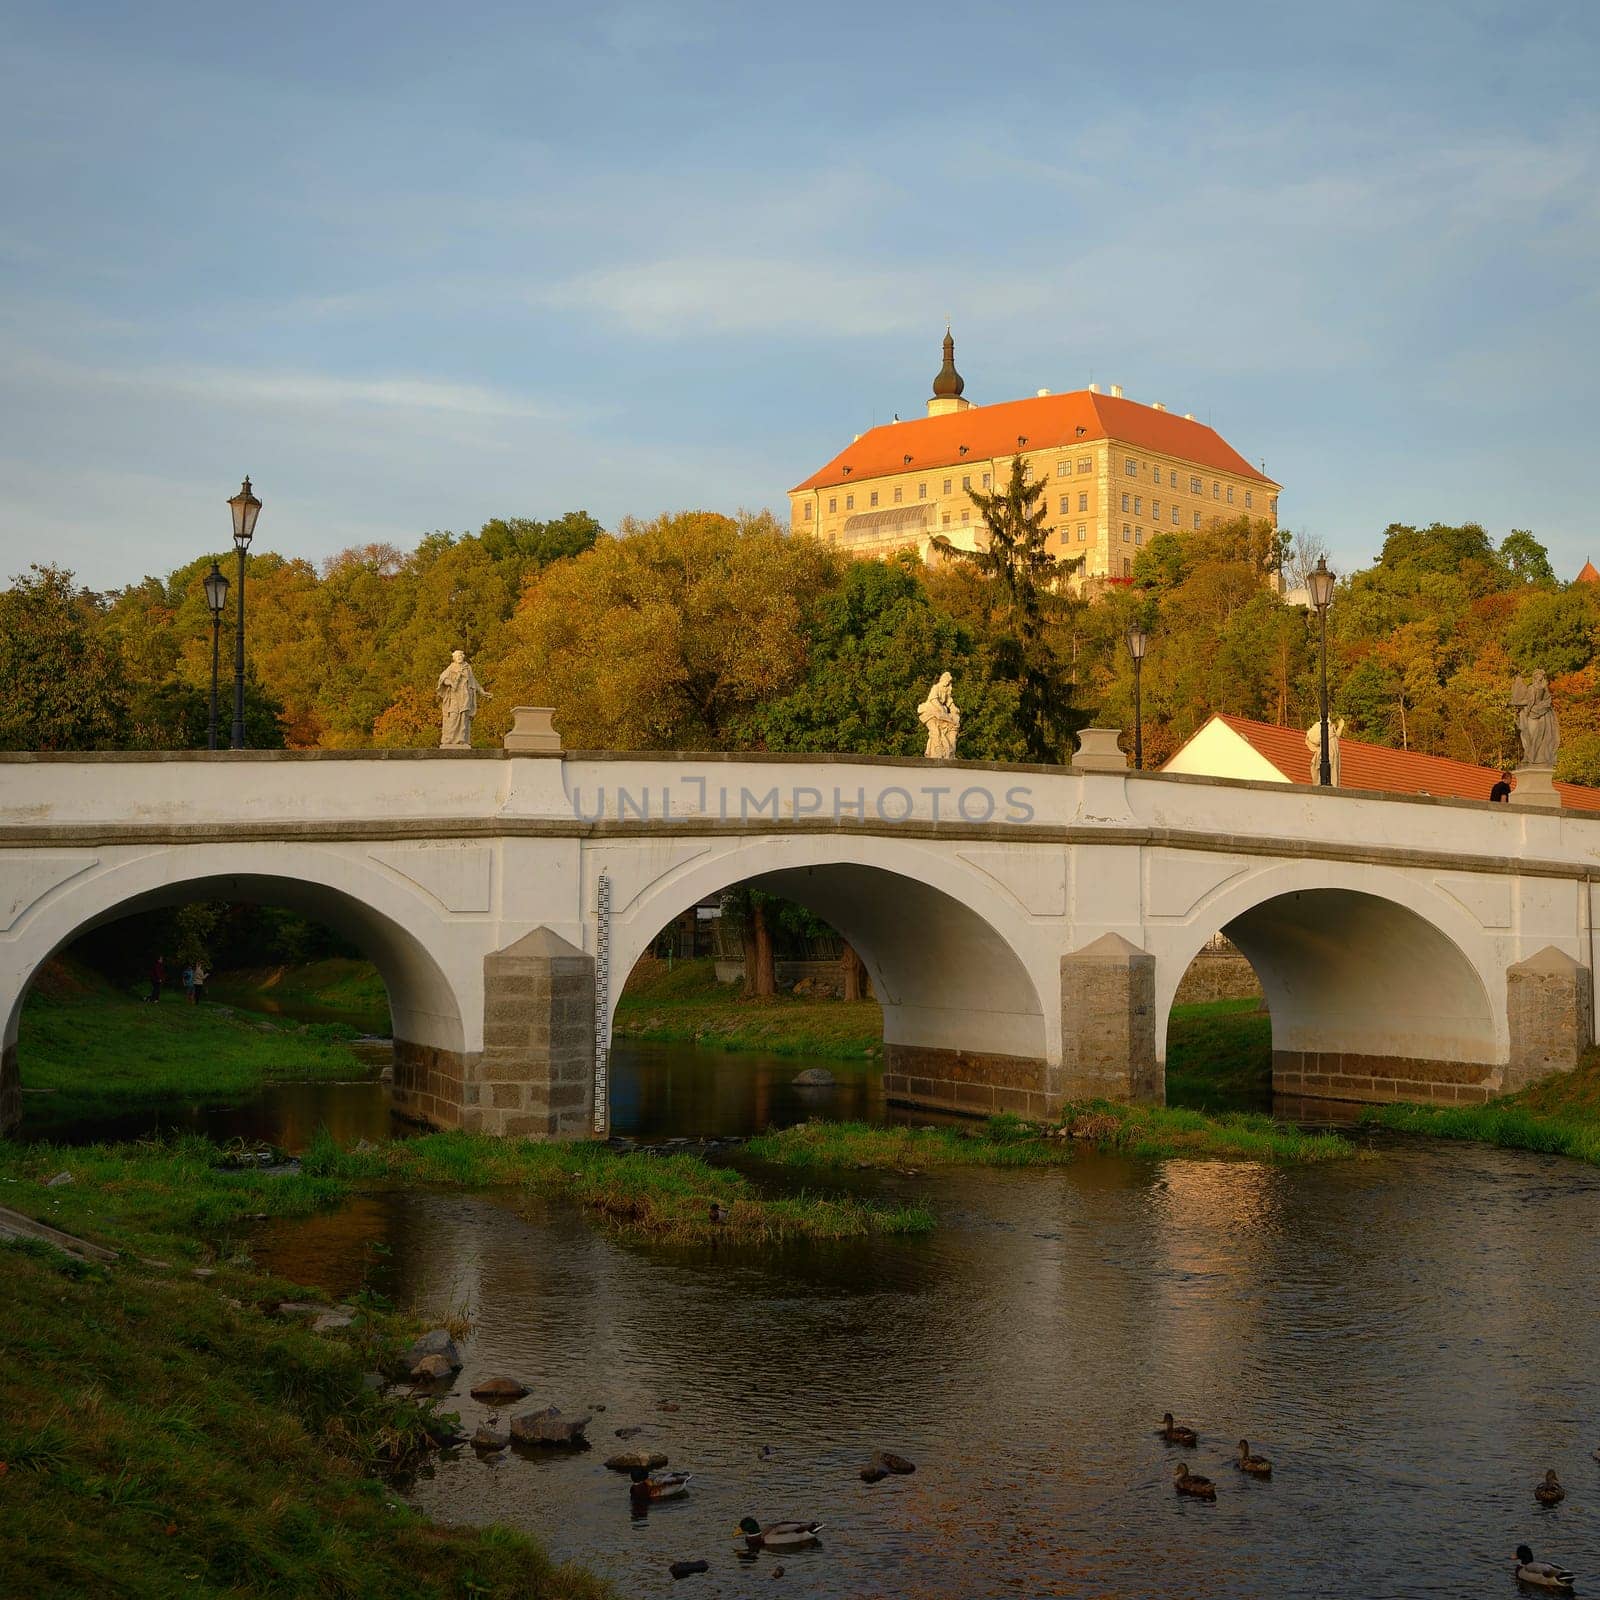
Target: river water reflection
<point x="1407" y="1336"/>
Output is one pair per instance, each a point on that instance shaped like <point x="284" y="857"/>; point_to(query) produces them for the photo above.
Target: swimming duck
<point x="1550" y="1492"/>
<point x="1186" y="1482"/>
<point x="1256" y="1466"/>
<point x="1173" y="1434"/>
<point x="1541" y="1574"/>
<point x="777" y="1535"/>
<point x="647" y="1487"/>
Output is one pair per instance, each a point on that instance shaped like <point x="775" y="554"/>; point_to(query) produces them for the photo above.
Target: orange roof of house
<point x="1045" y="421"/>
<point x="1377" y="767"/>
<point x="1588" y="575"/>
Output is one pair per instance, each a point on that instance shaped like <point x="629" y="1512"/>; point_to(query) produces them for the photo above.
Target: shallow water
<point x="1408" y="1337"/>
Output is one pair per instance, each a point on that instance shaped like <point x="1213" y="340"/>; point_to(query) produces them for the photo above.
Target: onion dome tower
<point x="948" y="385"/>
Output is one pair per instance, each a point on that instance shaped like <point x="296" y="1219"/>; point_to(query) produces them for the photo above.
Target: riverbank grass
<point x="685" y="1004"/>
<point x="1219" y="1056"/>
<point x="336" y="984"/>
<point x="87" y="1050"/>
<point x="1558" y="1116"/>
<point x="1004" y="1141"/>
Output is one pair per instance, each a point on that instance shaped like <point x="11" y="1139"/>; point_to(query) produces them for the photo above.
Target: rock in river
<point x="628" y="1460"/>
<point x="499" y="1389"/>
<point x="549" y="1427"/>
<point x="436" y="1342"/>
<point x="814" y="1078"/>
<point x="687" y="1569"/>
<point x="431" y="1367"/>
<point x="487" y="1440"/>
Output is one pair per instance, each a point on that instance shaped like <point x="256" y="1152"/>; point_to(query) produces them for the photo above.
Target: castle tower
<point x="948" y="385"/>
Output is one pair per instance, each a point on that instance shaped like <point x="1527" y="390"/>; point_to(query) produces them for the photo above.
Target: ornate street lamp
<point x="1320" y="585"/>
<point x="215" y="583"/>
<point x="1138" y="641"/>
<point x="246" y="508"/>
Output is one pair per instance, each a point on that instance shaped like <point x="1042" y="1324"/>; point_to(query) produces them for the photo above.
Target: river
<point x="1406" y="1337"/>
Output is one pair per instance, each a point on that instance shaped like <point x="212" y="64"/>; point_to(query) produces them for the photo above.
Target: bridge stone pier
<point x="1025" y="928"/>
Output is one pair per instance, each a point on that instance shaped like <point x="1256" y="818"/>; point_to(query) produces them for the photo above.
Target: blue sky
<point x="413" y="266"/>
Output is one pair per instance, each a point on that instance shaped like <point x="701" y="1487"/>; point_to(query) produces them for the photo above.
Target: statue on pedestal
<point x="941" y="716"/>
<point x="1314" y="745"/>
<point x="1536" y="721"/>
<point x="458" y="693"/>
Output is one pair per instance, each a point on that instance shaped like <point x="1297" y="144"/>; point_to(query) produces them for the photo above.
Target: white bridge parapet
<point x="1409" y="947"/>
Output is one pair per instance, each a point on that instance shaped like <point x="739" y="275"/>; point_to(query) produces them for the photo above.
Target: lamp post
<point x="1320" y="585"/>
<point x="215" y="584"/>
<point x="1138" y="640"/>
<point x="246" y="508"/>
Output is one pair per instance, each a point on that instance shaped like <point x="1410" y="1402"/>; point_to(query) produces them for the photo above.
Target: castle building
<point x="1117" y="472"/>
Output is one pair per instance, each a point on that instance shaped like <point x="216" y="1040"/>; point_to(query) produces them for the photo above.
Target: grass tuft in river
<point x="1007" y="1141"/>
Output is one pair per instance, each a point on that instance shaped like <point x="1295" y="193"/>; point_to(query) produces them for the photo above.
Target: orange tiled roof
<point x="1588" y="575"/>
<point x="1047" y="422"/>
<point x="1376" y="766"/>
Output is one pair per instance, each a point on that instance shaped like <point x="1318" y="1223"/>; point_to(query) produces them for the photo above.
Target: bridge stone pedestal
<point x="1550" y="1012"/>
<point x="535" y="1075"/>
<point x="1108" y="1038"/>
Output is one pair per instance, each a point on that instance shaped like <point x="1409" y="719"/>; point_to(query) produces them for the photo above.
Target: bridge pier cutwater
<point x="1025" y="928"/>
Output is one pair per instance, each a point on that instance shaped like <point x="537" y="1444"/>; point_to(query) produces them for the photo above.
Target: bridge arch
<point x="955" y="961"/>
<point x="1372" y="979"/>
<point x="434" y="985"/>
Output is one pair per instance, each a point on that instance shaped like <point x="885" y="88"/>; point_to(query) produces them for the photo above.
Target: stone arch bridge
<point x="1025" y="927"/>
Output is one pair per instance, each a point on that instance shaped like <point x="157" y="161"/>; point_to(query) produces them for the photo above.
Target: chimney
<point x="1156" y="405"/>
<point x="1188" y="416"/>
<point x="1042" y="393"/>
<point x="1094" y="388"/>
<point x="1116" y="391"/>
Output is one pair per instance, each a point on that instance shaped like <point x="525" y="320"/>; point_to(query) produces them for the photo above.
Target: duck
<point x="1550" y="1492"/>
<point x="777" y="1535"/>
<point x="1256" y="1466"/>
<point x="1173" y="1434"/>
<point x="1186" y="1482"/>
<point x="1541" y="1574"/>
<point x="648" y="1488"/>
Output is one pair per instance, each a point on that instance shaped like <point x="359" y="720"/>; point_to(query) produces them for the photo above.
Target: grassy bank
<point x="1152" y="1131"/>
<point x="1560" y="1116"/>
<point x="686" y="1005"/>
<point x="1219" y="1056"/>
<point x="333" y="985"/>
<point x="87" y="1050"/>
<point x="166" y="1434"/>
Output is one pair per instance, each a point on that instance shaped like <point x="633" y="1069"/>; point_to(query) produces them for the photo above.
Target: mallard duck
<point x="777" y="1535"/>
<point x="1173" y="1434"/>
<point x="1541" y="1574"/>
<point x="1256" y="1466"/>
<point x="658" y="1486"/>
<point x="1186" y="1482"/>
<point x="1550" y="1492"/>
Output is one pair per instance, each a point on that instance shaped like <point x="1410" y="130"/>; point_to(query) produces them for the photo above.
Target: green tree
<point x="62" y="682"/>
<point x="1525" y="558"/>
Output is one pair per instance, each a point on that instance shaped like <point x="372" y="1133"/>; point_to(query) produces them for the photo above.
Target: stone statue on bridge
<point x="1314" y="745"/>
<point x="1536" y="721"/>
<point x="458" y="693"/>
<point x="941" y="716"/>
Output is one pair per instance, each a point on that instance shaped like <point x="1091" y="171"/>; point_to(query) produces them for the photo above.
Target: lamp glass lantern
<point x="215" y="584"/>
<point x="1319" y="583"/>
<point x="246" y="508"/>
<point x="1138" y="641"/>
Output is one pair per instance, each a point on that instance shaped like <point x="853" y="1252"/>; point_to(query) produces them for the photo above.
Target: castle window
<point x="1216" y="490"/>
<point x="849" y="502"/>
<point x="966" y="482"/>
<point x="1138" y="535"/>
<point x="944" y="520"/>
<point x="897" y="494"/>
<point x="874" y="498"/>
<point x="986" y="480"/>
<point x="1083" y="532"/>
<point x="966" y="516"/>
<point x="1085" y="463"/>
<point x="1175" y="518"/>
<point x="947" y="486"/>
<point x="1248" y="500"/>
<point x="808" y="511"/>
<point x="833" y="503"/>
<point x="1138" y="505"/>
<point x="1194" y="486"/>
<point x="1155" y="509"/>
<point x="1125" y="500"/>
<point x="1274" y="505"/>
<point x="922" y="491"/>
<point x="1197" y="522"/>
<point x="1124" y="532"/>
<point x="1174" y="477"/>
<point x="1066" y="504"/>
<point x="1131" y="467"/>
<point x="1063" y="467"/>
<point x="1230" y="494"/>
<point x="1083" y="500"/>
<point x="1127" y="568"/>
